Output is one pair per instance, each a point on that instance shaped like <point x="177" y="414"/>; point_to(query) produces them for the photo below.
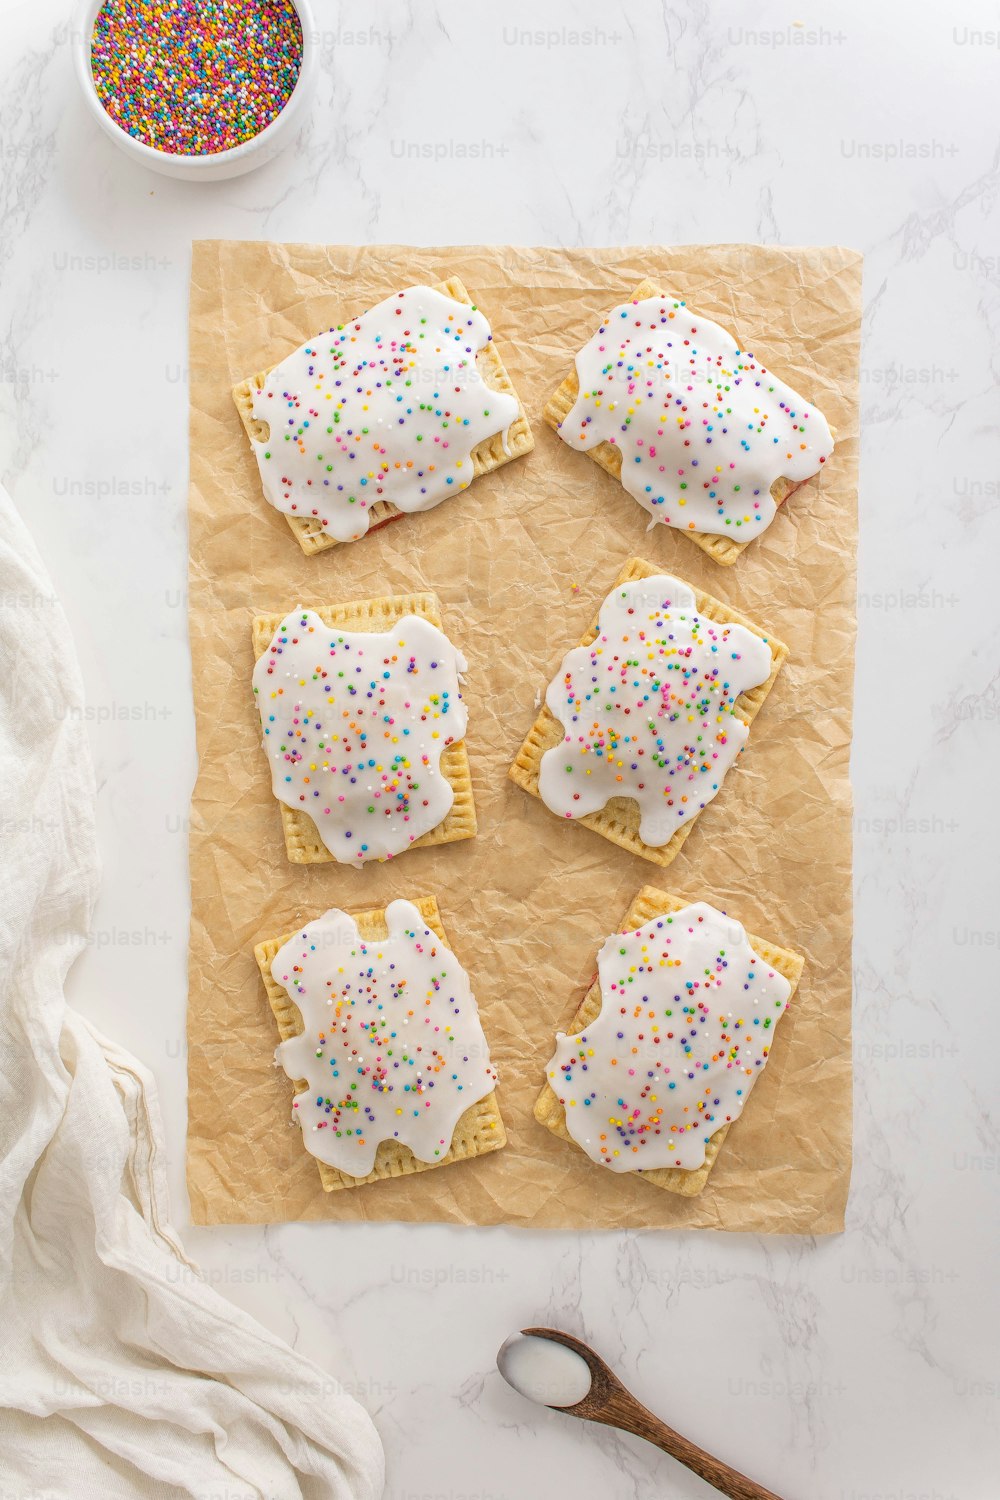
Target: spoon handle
<point x="622" y="1410"/>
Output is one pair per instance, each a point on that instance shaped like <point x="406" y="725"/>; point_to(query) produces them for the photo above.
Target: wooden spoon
<point x="608" y="1401"/>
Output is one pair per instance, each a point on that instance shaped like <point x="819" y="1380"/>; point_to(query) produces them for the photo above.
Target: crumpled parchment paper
<point x="520" y="562"/>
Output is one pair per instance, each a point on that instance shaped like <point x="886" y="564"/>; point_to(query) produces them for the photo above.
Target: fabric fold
<point x="124" y="1373"/>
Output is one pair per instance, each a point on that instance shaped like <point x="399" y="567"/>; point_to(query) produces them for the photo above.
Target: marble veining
<point x="851" y="1368"/>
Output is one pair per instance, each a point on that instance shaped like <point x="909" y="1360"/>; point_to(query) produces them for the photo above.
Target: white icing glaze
<point x="544" y="1370"/>
<point x="648" y="708"/>
<point x="388" y="406"/>
<point x="355" y="724"/>
<point x="687" y="1014"/>
<point x="703" y="428"/>
<point x="392" y="1049"/>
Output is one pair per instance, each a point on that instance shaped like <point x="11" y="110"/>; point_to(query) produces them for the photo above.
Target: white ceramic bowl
<point x="207" y="168"/>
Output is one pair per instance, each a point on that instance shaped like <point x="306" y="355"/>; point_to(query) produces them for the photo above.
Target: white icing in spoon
<point x="648" y="708"/>
<point x="355" y="724"/>
<point x="688" y="1011"/>
<point x="704" y="430"/>
<point x="388" y="406"/>
<point x="543" y="1370"/>
<point x="392" y="1049"/>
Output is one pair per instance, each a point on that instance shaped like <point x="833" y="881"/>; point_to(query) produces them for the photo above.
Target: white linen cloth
<point x="122" y="1373"/>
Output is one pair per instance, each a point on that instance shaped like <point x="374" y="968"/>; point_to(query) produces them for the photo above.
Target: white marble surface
<point x="850" y="1369"/>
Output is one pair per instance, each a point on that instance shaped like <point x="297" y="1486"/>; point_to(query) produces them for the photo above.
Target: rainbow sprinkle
<point x="195" y="77"/>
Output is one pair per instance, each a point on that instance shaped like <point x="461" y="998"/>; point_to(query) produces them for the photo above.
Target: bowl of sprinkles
<point x="197" y="89"/>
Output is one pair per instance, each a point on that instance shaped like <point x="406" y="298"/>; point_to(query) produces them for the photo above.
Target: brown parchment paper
<point x="520" y="562"/>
